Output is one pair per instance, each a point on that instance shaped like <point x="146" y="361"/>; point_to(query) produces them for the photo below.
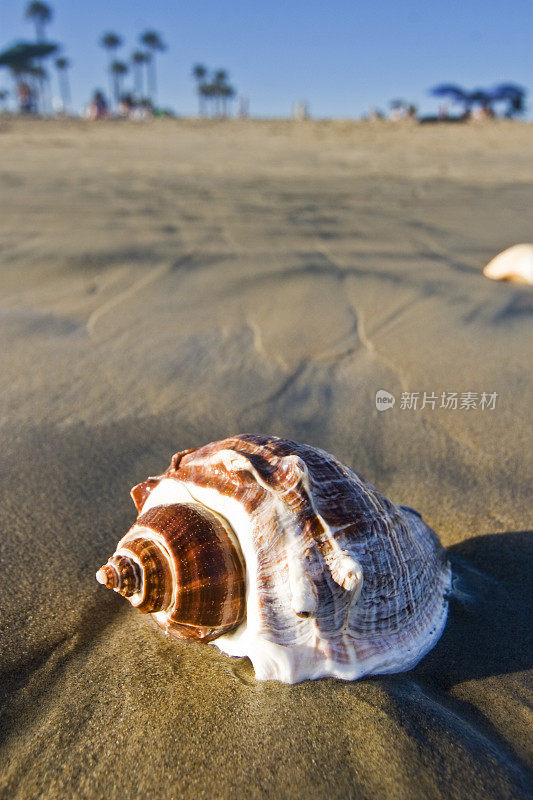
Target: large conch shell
<point x="276" y="551"/>
<point x="514" y="264"/>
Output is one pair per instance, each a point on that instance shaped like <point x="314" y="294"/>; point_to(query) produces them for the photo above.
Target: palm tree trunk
<point x="61" y="88"/>
<point x="153" y="80"/>
<point x="111" y="77"/>
<point x="68" y="96"/>
<point x="147" y="63"/>
<point x="138" y="80"/>
<point x="64" y="89"/>
<point x="35" y="86"/>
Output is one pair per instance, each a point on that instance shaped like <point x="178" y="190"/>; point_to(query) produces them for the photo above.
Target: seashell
<point x="276" y="551"/>
<point x="514" y="264"/>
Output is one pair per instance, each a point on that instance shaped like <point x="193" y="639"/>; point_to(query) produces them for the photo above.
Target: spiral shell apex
<point x="179" y="563"/>
<point x="276" y="551"/>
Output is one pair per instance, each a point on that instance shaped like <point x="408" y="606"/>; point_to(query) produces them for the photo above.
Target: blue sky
<point x="342" y="56"/>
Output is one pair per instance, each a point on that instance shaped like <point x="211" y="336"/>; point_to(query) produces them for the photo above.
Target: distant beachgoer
<point x="244" y="107"/>
<point x="126" y="106"/>
<point x="375" y="114"/>
<point x="484" y="112"/>
<point x="141" y="112"/>
<point x="26" y="98"/>
<point x="97" y="108"/>
<point x="300" y="110"/>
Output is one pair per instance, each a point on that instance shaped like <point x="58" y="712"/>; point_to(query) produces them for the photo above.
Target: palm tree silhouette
<point x="40" y="14"/>
<point x="118" y="70"/>
<point x="111" y="42"/>
<point x="222" y="91"/>
<point x="138" y="58"/>
<point x="62" y="65"/>
<point x="199" y="73"/>
<point x="154" y="43"/>
<point x="207" y="91"/>
<point x="220" y="78"/>
<point x="228" y="93"/>
<point x="217" y="91"/>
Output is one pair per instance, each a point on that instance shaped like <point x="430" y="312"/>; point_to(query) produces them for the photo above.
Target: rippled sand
<point x="172" y="283"/>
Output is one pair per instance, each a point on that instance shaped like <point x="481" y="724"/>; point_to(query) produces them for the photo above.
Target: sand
<point x="172" y="283"/>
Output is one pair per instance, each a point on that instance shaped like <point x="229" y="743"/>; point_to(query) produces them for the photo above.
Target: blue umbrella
<point x="507" y="91"/>
<point x="451" y="90"/>
<point x="480" y="96"/>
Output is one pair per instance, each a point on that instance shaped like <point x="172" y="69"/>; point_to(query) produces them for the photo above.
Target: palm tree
<point x="62" y="65"/>
<point x="220" y="78"/>
<point x="111" y="42"/>
<point x="118" y="70"/>
<point x="199" y="73"/>
<point x="40" y="14"/>
<point x="222" y="91"/>
<point x="138" y="58"/>
<point x="207" y="93"/>
<point x="228" y="93"/>
<point x="154" y="43"/>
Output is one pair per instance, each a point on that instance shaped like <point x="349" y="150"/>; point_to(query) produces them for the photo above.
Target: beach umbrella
<point x="507" y="91"/>
<point x="451" y="90"/>
<point x="480" y="96"/>
<point x="21" y="53"/>
<point x="20" y="58"/>
<point x="513" y="95"/>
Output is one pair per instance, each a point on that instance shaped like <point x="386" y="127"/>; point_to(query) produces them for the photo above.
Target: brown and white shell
<point x="276" y="551"/>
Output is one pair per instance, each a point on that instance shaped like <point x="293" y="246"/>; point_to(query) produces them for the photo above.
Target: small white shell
<point x="339" y="580"/>
<point x="514" y="264"/>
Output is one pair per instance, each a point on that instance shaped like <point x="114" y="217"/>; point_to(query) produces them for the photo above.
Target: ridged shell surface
<point x="191" y="575"/>
<point x="339" y="580"/>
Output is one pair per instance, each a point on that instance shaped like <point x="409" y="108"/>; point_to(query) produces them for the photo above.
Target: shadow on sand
<point x="489" y="628"/>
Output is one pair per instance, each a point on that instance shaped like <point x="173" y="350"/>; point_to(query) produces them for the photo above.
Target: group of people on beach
<point x="128" y="108"/>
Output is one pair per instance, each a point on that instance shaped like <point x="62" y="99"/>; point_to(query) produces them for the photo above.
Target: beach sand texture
<point x="168" y="284"/>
